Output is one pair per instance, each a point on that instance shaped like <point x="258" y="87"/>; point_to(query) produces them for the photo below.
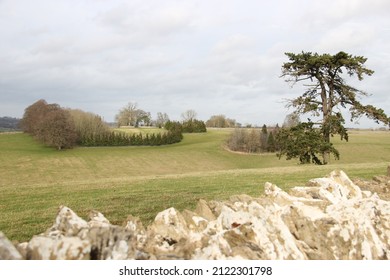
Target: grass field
<point x="117" y="181"/>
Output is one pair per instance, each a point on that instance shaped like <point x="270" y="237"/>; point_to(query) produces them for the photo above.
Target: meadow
<point x="35" y="180"/>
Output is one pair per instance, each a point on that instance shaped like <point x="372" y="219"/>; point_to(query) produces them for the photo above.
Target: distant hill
<point x="9" y="124"/>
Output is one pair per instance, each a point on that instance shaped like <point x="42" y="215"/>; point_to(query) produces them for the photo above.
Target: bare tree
<point x="291" y="120"/>
<point x="87" y="124"/>
<point x="220" y="121"/>
<point x="188" y="115"/>
<point x="162" y="119"/>
<point x="127" y="115"/>
<point x="58" y="129"/>
<point x="50" y="124"/>
<point x="130" y="115"/>
<point x="33" y="115"/>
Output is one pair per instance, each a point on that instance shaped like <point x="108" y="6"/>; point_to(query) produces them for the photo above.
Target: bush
<point x="194" y="126"/>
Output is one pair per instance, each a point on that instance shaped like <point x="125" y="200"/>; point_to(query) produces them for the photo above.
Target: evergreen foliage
<point x="327" y="93"/>
<point x="305" y="143"/>
<point x="194" y="126"/>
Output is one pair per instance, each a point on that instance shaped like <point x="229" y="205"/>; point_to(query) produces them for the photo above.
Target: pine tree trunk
<point x="326" y="154"/>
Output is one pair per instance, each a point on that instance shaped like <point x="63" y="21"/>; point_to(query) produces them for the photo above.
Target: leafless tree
<point x="188" y="115"/>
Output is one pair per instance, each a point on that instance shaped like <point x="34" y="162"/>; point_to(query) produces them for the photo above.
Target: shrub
<point x="194" y="126"/>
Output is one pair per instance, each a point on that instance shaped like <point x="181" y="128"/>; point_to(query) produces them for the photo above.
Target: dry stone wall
<point x="331" y="218"/>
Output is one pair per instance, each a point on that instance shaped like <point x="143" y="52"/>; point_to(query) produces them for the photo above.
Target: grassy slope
<point x="35" y="180"/>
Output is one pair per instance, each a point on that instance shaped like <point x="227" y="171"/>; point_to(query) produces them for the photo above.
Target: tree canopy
<point x="49" y="123"/>
<point x="328" y="92"/>
<point x="130" y="115"/>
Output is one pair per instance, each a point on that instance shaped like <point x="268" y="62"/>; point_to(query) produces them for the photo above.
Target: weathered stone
<point x="8" y="250"/>
<point x="167" y="233"/>
<point x="67" y="223"/>
<point x="194" y="222"/>
<point x="203" y="210"/>
<point x="64" y="248"/>
<point x="97" y="219"/>
<point x="22" y="248"/>
<point x="113" y="243"/>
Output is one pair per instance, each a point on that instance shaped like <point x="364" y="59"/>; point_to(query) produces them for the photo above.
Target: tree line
<point x="65" y="128"/>
<point x="326" y="94"/>
<point x="253" y="140"/>
<point x="131" y="115"/>
<point x="9" y="124"/>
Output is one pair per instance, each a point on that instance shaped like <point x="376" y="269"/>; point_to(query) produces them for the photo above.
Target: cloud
<point x="146" y="25"/>
<point x="212" y="56"/>
<point x="346" y="37"/>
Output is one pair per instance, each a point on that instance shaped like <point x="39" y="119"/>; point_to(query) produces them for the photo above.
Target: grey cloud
<point x="212" y="56"/>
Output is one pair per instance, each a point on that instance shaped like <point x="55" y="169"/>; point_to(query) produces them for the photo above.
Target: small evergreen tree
<point x="271" y="142"/>
<point x="264" y="138"/>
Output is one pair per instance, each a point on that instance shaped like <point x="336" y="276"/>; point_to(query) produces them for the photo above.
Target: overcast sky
<point x="214" y="56"/>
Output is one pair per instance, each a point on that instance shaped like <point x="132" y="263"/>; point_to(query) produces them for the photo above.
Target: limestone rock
<point x="113" y="243"/>
<point x="67" y="223"/>
<point x="168" y="235"/>
<point x="8" y="250"/>
<point x="203" y="210"/>
<point x="52" y="248"/>
<point x="97" y="219"/>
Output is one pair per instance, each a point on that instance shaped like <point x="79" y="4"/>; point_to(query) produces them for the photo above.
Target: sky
<point x="214" y="56"/>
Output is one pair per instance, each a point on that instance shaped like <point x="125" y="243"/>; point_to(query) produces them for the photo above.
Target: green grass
<point x="117" y="181"/>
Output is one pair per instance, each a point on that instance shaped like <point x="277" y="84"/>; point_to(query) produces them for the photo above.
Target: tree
<point x="144" y="117"/>
<point x="162" y="119"/>
<point x="188" y="115"/>
<point x="237" y="140"/>
<point x="264" y="138"/>
<point x="87" y="125"/>
<point x="291" y="120"/>
<point x="127" y="115"/>
<point x="130" y="115"/>
<point x="9" y="123"/>
<point x="253" y="141"/>
<point x="194" y="126"/>
<point x="220" y="121"/>
<point x="50" y="124"/>
<point x="328" y="91"/>
<point x="33" y="115"/>
<point x="271" y="142"/>
<point x="58" y="130"/>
